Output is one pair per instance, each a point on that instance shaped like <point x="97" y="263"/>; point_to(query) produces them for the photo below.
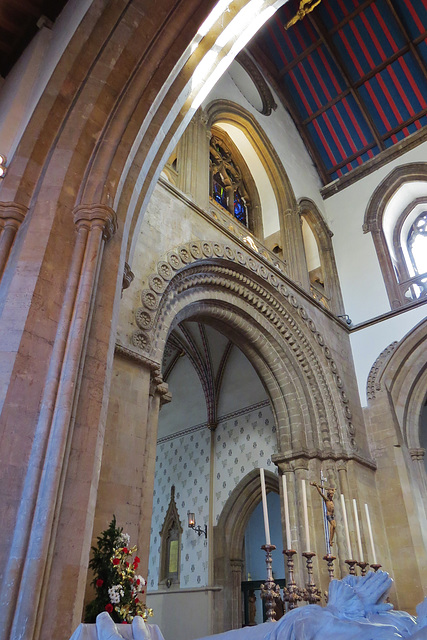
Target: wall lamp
<point x="192" y="525"/>
<point x="346" y="319"/>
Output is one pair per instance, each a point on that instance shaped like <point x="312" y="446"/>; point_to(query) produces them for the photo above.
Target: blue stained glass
<point x="220" y="195"/>
<point x="239" y="208"/>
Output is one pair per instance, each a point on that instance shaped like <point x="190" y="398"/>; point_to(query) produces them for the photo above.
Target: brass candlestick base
<point x="363" y="567"/>
<point x="351" y="566"/>
<point x="330" y="562"/>
<point x="311" y="593"/>
<point x="375" y="567"/>
<point x="269" y="590"/>
<point x="291" y="593"/>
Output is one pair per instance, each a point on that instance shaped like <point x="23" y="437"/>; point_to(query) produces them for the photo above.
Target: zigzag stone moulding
<point x="150" y="317"/>
<point x="373" y="383"/>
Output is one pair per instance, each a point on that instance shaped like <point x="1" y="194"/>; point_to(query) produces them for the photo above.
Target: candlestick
<point x="351" y="566"/>
<point x="264" y="508"/>
<point x="269" y="590"/>
<point x="371" y="538"/>
<point x="329" y="558"/>
<point x="311" y="593"/>
<point x="286" y="506"/>
<point x="305" y="510"/>
<point x="359" y="539"/>
<point x="347" y="533"/>
<point x="291" y="593"/>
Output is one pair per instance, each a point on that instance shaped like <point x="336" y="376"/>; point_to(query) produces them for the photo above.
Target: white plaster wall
<point x="360" y="276"/>
<point x="188" y="405"/>
<point x="241" y="386"/>
<point x="368" y="343"/>
<point x="21" y="90"/>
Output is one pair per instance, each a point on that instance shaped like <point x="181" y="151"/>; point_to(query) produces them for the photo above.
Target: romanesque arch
<point x="253" y="304"/>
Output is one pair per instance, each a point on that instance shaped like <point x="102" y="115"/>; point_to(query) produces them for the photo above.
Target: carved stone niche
<point x="170" y="550"/>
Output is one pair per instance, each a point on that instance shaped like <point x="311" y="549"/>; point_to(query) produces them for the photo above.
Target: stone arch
<point x="96" y="140"/>
<point x="399" y="394"/>
<point x="228" y="545"/>
<point x="373" y="222"/>
<point x="290" y="239"/>
<point x="323" y="235"/>
<point x="253" y="302"/>
<point x="405" y="378"/>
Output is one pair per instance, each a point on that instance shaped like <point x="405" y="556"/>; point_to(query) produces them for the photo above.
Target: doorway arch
<point x="228" y="546"/>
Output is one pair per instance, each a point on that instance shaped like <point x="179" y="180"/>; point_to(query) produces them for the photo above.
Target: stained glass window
<point x="240" y="208"/>
<point x="227" y="184"/>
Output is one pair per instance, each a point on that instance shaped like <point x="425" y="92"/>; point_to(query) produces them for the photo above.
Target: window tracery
<point x="227" y="185"/>
<point x="399" y="232"/>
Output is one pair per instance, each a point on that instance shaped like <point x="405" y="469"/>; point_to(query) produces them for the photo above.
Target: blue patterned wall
<point x="244" y="440"/>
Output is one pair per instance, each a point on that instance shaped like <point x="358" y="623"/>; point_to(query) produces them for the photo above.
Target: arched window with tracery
<point x="417" y="245"/>
<point x="231" y="184"/>
<point x="397" y="218"/>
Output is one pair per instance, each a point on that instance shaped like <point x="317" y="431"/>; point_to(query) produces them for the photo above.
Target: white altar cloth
<point x="90" y="632"/>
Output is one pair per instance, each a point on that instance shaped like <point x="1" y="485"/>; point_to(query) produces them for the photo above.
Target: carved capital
<point x="128" y="277"/>
<point x="92" y="216"/>
<point x="12" y="214"/>
<point x="417" y="454"/>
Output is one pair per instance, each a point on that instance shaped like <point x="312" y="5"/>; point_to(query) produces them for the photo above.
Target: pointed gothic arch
<point x="228" y="545"/>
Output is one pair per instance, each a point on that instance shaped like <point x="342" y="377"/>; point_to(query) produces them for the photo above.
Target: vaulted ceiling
<point x="353" y="75"/>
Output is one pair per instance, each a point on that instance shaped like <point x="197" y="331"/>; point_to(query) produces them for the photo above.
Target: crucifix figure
<point x="327" y="495"/>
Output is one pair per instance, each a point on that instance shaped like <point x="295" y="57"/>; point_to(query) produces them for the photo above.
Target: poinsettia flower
<point x="116" y="561"/>
<point x="136" y="600"/>
<point x="125" y="550"/>
<point x="99" y="582"/>
<point x="137" y="559"/>
<point x="109" y="607"/>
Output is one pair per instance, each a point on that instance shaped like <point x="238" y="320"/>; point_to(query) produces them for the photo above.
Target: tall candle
<point x="304" y="506"/>
<point x="264" y="507"/>
<point x="359" y="539"/>
<point x="347" y="533"/>
<point x="371" y="538"/>
<point x="287" y="520"/>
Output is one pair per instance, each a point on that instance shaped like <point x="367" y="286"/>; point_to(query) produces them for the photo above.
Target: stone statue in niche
<point x="327" y="495"/>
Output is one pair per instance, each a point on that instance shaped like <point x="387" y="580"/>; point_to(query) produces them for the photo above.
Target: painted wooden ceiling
<point x="353" y="75"/>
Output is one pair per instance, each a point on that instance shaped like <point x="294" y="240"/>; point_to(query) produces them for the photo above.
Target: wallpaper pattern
<point x="244" y="440"/>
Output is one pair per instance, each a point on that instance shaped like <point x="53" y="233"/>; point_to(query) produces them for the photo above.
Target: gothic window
<point x="227" y="185"/>
<point x="397" y="218"/>
<point x="417" y="245"/>
<point x="170" y="545"/>
<point x="322" y="271"/>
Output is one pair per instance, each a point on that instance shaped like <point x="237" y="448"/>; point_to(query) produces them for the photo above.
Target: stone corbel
<point x="417" y="454"/>
<point x="12" y="215"/>
<point x="128" y="277"/>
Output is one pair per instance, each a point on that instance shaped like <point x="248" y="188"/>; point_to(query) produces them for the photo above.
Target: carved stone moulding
<point x="243" y="285"/>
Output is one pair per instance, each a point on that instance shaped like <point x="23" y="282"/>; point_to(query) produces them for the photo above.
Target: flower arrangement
<point x="119" y="588"/>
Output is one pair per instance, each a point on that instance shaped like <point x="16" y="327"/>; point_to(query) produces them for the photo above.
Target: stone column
<point x="293" y="248"/>
<point x="236" y="567"/>
<point x="27" y="572"/>
<point x="11" y="217"/>
<point x="193" y="160"/>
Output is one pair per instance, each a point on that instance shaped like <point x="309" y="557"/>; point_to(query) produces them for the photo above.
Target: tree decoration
<point x="120" y="590"/>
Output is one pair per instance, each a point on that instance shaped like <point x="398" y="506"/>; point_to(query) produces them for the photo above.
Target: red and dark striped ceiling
<point x="353" y="74"/>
